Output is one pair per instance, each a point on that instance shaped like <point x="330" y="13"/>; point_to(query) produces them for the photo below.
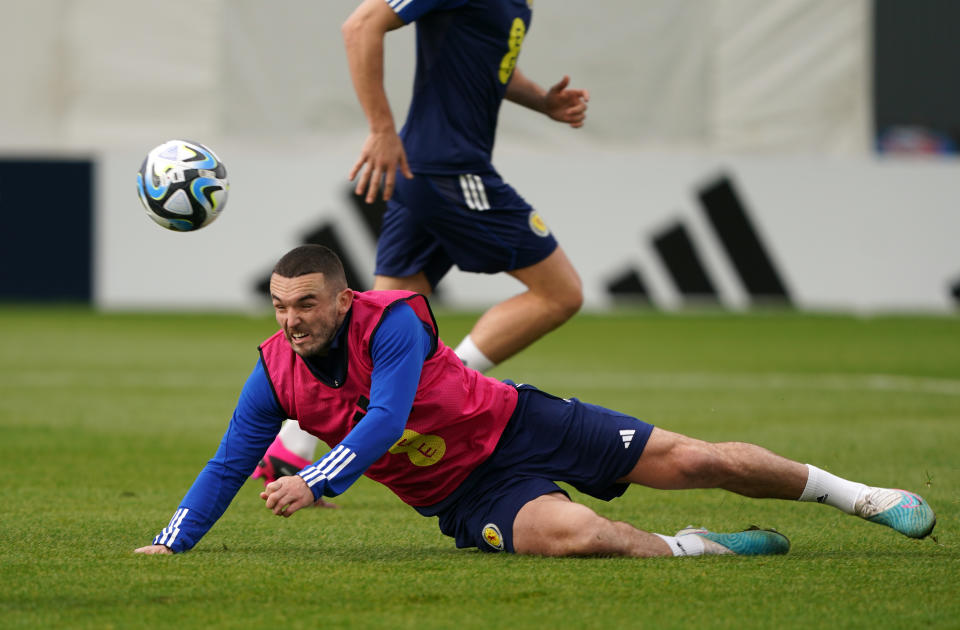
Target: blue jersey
<point x="466" y="54"/>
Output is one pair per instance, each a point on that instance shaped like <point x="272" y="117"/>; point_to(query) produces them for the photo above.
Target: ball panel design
<point x="182" y="185"/>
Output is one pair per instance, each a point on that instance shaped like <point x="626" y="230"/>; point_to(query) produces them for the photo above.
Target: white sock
<point x="298" y="441"/>
<point x="823" y="487"/>
<point x="471" y="356"/>
<point x="688" y="545"/>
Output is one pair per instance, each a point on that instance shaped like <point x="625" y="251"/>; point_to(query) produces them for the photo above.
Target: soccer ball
<point x="183" y="185"/>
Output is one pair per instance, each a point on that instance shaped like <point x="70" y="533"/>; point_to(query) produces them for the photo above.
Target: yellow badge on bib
<point x="423" y="450"/>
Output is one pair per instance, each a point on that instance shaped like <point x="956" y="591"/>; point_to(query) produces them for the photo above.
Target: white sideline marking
<point x="752" y="381"/>
<point x="571" y="381"/>
<point x="99" y="380"/>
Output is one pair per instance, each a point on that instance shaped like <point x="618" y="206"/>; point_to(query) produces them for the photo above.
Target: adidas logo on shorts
<point x="627" y="436"/>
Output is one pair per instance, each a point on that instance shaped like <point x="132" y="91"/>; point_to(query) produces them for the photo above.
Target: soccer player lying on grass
<point x="367" y="373"/>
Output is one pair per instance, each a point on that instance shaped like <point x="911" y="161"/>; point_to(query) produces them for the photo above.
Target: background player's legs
<point x="554" y="294"/>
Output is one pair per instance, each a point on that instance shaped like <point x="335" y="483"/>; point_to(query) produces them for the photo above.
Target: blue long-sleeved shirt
<point x="398" y="350"/>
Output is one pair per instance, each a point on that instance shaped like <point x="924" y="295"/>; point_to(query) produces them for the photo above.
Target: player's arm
<point x="382" y="153"/>
<point x="560" y="103"/>
<point x="398" y="350"/>
<point x="255" y="423"/>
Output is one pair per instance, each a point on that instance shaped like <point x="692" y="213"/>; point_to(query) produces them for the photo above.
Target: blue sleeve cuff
<point x="318" y="475"/>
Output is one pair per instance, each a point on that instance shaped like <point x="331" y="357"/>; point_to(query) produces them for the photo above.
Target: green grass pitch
<point x="105" y="419"/>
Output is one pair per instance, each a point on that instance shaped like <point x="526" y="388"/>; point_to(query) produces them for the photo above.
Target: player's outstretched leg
<point x="553" y="525"/>
<point x="675" y="461"/>
<point x="900" y="510"/>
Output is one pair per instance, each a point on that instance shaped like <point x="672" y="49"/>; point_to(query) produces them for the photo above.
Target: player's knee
<point x="572" y="301"/>
<point x="700" y="464"/>
<point x="559" y="544"/>
<point x="562" y="529"/>
<point x="565" y="303"/>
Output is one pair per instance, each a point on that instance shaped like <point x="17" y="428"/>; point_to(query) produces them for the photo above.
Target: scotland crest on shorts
<point x="492" y="536"/>
<point x="537" y="224"/>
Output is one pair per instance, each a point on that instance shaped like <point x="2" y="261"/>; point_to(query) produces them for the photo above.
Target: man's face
<point x="309" y="311"/>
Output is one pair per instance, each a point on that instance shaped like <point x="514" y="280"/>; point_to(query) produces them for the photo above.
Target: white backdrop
<point x="789" y="75"/>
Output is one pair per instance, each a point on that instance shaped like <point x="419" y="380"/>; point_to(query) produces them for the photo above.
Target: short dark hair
<point x="305" y="259"/>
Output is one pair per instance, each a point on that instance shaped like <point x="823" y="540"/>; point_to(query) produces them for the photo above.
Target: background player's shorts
<point x="477" y="222"/>
<point x="548" y="439"/>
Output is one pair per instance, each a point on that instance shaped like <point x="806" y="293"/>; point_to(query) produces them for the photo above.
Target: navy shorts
<point x="548" y="439"/>
<point x="477" y="222"/>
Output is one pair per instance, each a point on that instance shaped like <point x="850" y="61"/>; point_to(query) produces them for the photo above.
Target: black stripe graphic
<point x="741" y="242"/>
<point x="327" y="236"/>
<point x="629" y="285"/>
<point x="371" y="214"/>
<point x="680" y="257"/>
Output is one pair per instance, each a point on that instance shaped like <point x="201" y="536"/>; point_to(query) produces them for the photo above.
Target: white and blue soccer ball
<point x="183" y="185"/>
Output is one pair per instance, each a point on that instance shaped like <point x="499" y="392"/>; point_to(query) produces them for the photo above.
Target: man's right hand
<point x="383" y="155"/>
<point x="152" y="550"/>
